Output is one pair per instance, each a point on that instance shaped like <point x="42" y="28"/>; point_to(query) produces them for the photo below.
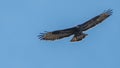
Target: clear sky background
<point x="22" y="20"/>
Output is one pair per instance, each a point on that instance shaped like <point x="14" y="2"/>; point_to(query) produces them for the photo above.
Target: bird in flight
<point x="77" y="31"/>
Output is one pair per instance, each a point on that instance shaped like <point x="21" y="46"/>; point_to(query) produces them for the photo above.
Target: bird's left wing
<point x="96" y="20"/>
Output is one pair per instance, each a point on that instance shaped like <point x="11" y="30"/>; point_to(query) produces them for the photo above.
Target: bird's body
<point x="77" y="31"/>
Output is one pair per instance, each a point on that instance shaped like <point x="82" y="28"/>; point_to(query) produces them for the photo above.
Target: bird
<point x="76" y="31"/>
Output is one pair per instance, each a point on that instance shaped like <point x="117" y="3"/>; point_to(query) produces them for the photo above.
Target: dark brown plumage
<point x="77" y="31"/>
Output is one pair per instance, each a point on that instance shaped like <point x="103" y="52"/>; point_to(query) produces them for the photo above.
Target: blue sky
<point x="22" y="20"/>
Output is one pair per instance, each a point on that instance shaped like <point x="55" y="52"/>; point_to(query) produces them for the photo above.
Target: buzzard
<point x="77" y="31"/>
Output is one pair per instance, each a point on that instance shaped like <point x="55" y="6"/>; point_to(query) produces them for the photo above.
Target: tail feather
<point x="78" y="37"/>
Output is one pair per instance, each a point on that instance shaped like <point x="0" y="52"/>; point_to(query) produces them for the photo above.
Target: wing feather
<point x="96" y="20"/>
<point x="58" y="34"/>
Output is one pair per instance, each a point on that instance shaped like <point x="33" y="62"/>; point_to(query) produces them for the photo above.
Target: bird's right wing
<point x="58" y="34"/>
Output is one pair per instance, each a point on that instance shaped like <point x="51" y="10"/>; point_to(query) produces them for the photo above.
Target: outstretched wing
<point x="58" y="34"/>
<point x="96" y="20"/>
